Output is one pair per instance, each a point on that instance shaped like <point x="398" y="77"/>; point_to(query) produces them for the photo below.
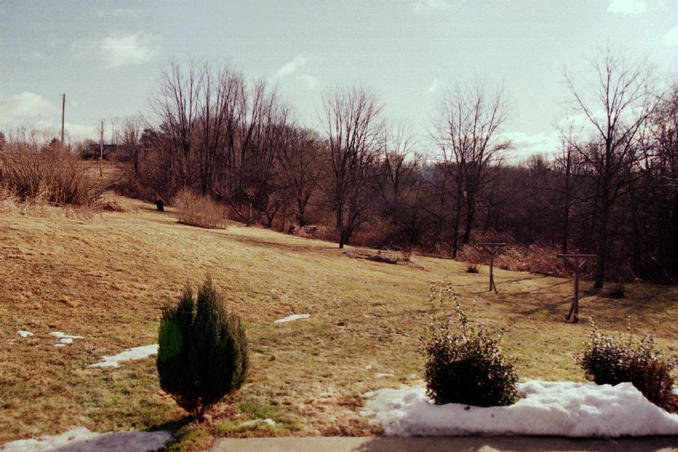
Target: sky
<point x="108" y="56"/>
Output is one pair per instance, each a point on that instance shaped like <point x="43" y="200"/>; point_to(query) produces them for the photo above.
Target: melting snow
<point x="24" y="333"/>
<point x="546" y="408"/>
<point x="81" y="439"/>
<point x="267" y="421"/>
<point x="141" y="352"/>
<point x="292" y="317"/>
<point x="383" y="375"/>
<point x="61" y="335"/>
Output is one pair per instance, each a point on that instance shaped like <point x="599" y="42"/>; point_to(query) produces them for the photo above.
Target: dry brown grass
<point x="106" y="278"/>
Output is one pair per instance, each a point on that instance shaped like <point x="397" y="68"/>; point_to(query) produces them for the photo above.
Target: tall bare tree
<point x="400" y="185"/>
<point x="132" y="128"/>
<point x="352" y="126"/>
<point x="468" y="136"/>
<point x="616" y="108"/>
<point x="177" y="106"/>
<point x="300" y="168"/>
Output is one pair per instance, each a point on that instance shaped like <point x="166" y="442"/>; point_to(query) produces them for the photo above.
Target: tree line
<point x="609" y="190"/>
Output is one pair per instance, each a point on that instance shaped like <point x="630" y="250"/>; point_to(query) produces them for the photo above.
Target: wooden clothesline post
<point x="492" y="249"/>
<point x="580" y="262"/>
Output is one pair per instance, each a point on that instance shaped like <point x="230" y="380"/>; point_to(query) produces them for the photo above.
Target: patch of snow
<point x="62" y="335"/>
<point x="292" y="317"/>
<point x="24" y="333"/>
<point x="674" y="391"/>
<point x="141" y="352"/>
<point x="59" y="345"/>
<point x="80" y="439"/>
<point x="368" y="367"/>
<point x="546" y="408"/>
<point x="267" y="421"/>
<point x="383" y="375"/>
<point x="66" y="340"/>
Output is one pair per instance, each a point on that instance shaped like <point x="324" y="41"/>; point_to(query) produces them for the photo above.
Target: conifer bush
<point x="202" y="353"/>
<point x="608" y="360"/>
<point x="466" y="365"/>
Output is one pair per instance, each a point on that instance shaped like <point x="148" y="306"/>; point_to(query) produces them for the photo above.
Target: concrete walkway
<point x="480" y="444"/>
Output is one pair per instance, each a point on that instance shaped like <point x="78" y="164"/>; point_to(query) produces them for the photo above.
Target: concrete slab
<point x="470" y="444"/>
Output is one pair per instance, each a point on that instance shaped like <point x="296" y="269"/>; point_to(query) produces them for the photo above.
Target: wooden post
<point x="492" y="249"/>
<point x="580" y="262"/>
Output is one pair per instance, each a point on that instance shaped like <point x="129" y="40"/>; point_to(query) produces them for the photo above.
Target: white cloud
<point x="310" y="80"/>
<point x="627" y="7"/>
<point x="436" y="85"/>
<point x="25" y="107"/>
<point x="426" y="5"/>
<point x="290" y="67"/>
<point x="33" y="112"/>
<point x="671" y="37"/>
<point x="526" y="145"/>
<point x="430" y="6"/>
<point x="119" y="12"/>
<point x="121" y="50"/>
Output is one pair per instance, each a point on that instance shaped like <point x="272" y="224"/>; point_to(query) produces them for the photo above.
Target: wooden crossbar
<point x="492" y="248"/>
<point x="580" y="262"/>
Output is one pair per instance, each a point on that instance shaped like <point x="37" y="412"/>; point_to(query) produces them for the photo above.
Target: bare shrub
<point x="56" y="177"/>
<point x="533" y="258"/>
<point x="609" y="360"/>
<point x="199" y="210"/>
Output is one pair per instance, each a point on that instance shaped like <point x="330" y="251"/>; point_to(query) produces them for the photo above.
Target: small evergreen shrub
<point x="202" y="353"/>
<point x="607" y="360"/>
<point x="466" y="365"/>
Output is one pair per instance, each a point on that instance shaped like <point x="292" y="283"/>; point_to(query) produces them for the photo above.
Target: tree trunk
<point x="602" y="246"/>
<point x="470" y="211"/>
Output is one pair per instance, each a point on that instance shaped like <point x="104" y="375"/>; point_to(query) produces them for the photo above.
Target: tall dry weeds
<point x="198" y="210"/>
<point x="55" y="177"/>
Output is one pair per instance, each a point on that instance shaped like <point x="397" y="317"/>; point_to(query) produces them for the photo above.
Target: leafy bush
<point x="198" y="210"/>
<point x="466" y="365"/>
<point x="52" y="175"/>
<point x="202" y="352"/>
<point x="607" y="360"/>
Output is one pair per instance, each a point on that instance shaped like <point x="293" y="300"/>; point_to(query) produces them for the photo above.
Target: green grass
<point x="106" y="277"/>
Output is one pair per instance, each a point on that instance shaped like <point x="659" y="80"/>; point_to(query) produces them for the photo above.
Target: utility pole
<point x="63" y="112"/>
<point x="101" y="148"/>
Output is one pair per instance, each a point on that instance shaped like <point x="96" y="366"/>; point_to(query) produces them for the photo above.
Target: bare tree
<point x="299" y="167"/>
<point x="617" y="107"/>
<point x="468" y="136"/>
<point x="177" y="107"/>
<point x="352" y="127"/>
<point x="132" y="128"/>
<point x="400" y="185"/>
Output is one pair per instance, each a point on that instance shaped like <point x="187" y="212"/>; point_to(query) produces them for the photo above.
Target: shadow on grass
<point x="268" y="244"/>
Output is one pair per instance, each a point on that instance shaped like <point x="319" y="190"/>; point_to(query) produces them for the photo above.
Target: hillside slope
<point x="106" y="276"/>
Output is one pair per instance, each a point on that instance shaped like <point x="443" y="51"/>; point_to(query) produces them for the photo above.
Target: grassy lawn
<point x="106" y="276"/>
